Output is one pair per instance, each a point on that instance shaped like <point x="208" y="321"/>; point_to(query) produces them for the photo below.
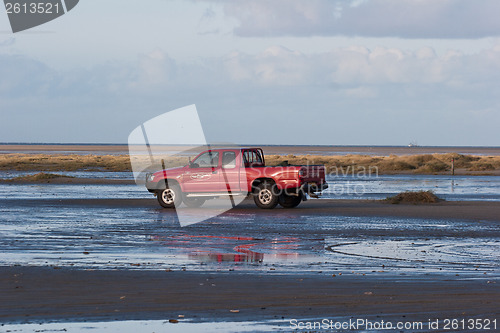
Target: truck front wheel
<point x="265" y="196"/>
<point x="170" y="197"/>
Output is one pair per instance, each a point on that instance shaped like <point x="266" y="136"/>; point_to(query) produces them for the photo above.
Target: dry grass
<point x="345" y="164"/>
<point x="420" y="164"/>
<point x="61" y="162"/>
<point x="414" y="197"/>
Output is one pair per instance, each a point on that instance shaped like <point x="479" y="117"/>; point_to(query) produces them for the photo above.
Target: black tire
<point x="170" y="197"/>
<point x="193" y="202"/>
<point x="290" y="201"/>
<point x="265" y="196"/>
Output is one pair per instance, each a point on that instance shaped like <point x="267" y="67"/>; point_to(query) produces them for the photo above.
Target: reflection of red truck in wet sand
<point x="236" y="172"/>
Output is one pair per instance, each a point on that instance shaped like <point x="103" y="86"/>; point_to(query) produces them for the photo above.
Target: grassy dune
<point x="39" y="177"/>
<point x="60" y="162"/>
<point x="419" y="164"/>
<point x="414" y="197"/>
<point x="346" y="164"/>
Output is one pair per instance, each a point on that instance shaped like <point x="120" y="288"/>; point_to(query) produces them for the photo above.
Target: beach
<point x="46" y="294"/>
<point x="95" y="247"/>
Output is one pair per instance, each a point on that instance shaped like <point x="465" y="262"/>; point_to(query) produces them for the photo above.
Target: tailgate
<point x="313" y="173"/>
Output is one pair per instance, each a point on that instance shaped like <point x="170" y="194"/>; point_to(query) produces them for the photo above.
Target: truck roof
<point x="234" y="148"/>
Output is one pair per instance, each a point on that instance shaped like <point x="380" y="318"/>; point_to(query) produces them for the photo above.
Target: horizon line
<point x="237" y="144"/>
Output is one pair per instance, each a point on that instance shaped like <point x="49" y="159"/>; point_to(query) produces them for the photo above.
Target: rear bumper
<point x="313" y="187"/>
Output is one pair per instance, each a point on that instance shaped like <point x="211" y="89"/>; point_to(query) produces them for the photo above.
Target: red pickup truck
<point x="236" y="172"/>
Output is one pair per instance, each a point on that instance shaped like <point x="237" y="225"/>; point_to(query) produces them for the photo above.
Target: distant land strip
<point x="357" y="165"/>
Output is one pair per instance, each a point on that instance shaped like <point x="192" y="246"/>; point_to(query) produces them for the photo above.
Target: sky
<point x="310" y="72"/>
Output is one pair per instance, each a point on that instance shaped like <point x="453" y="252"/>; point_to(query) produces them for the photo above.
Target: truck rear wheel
<point x="290" y="201"/>
<point x="265" y="196"/>
<point x="170" y="197"/>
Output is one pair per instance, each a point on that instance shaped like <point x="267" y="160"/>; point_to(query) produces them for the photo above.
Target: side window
<point x="247" y="157"/>
<point x="229" y="160"/>
<point x="258" y="158"/>
<point x="207" y="160"/>
<point x="251" y="157"/>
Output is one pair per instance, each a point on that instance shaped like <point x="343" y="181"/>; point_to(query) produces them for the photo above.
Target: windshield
<point x="209" y="159"/>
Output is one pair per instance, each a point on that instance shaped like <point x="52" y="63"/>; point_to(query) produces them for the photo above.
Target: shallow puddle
<point x="145" y="327"/>
<point x="455" y="188"/>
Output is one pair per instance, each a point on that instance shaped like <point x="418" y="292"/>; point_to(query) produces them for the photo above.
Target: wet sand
<point x="48" y="293"/>
<point x="470" y="210"/>
<point x="34" y="294"/>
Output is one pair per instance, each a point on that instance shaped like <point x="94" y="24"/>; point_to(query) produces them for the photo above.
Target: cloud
<point x="154" y="69"/>
<point x="352" y="95"/>
<point x="8" y="42"/>
<point x="358" y="65"/>
<point x="373" y="18"/>
<point x="20" y="75"/>
<point x="275" y="66"/>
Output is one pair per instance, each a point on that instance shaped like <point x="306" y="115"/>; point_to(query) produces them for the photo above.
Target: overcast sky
<point x="374" y="72"/>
